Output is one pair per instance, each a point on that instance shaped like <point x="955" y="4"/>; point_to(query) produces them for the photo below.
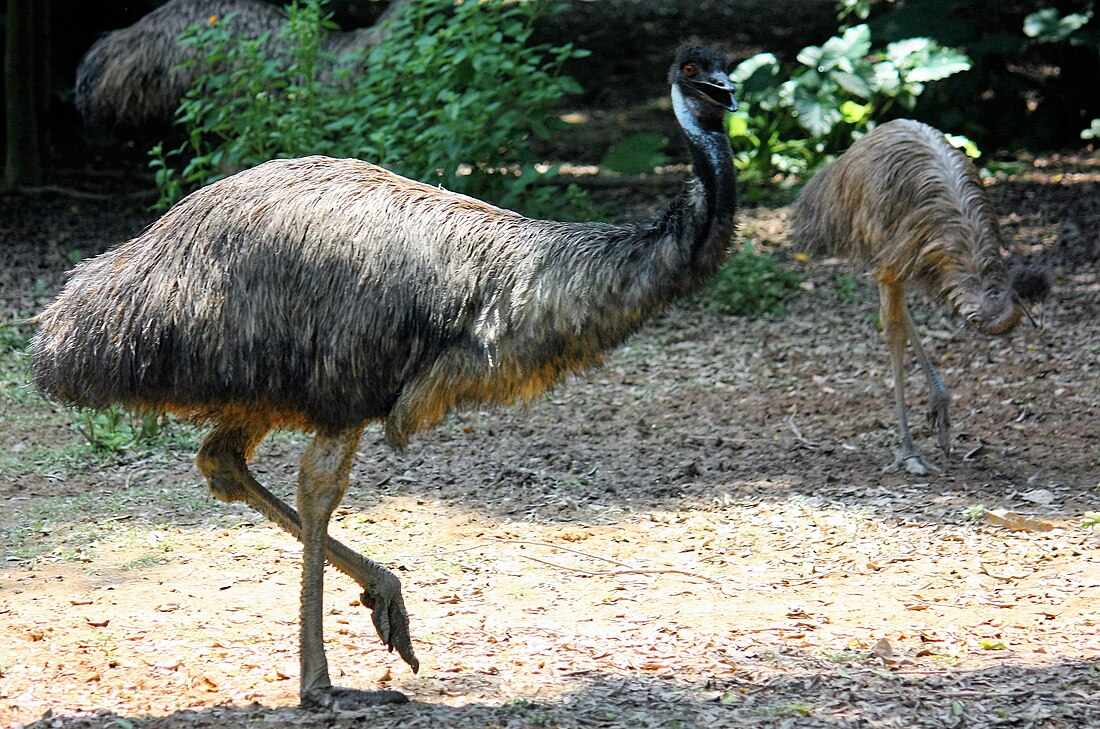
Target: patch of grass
<point x="847" y="288"/>
<point x="751" y="283"/>
<point x="15" y="387"/>
<point x="975" y="513"/>
<point x="145" y="560"/>
<point x="845" y="657"/>
<point x="69" y="527"/>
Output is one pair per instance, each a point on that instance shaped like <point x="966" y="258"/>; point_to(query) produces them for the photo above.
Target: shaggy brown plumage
<point x="323" y="294"/>
<point x="135" y="76"/>
<point x="912" y="208"/>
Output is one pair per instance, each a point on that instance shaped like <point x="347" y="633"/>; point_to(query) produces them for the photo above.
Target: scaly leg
<point x="322" y="482"/>
<point x="894" y="315"/>
<point x="938" y="396"/>
<point x="222" y="459"/>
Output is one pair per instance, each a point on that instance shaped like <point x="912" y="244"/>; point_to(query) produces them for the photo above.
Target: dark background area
<point x="1020" y="94"/>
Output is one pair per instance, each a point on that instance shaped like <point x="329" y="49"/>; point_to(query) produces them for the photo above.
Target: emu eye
<point x="689" y="69"/>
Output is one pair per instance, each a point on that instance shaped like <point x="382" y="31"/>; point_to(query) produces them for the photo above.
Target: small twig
<point x="564" y="549"/>
<point x="626" y="571"/>
<point x="797" y="432"/>
<point x="804" y="580"/>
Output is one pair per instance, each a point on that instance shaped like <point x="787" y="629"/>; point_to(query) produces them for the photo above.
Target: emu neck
<point x="711" y="157"/>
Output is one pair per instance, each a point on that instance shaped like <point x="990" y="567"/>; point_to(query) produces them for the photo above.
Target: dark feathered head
<point x="699" y="76"/>
<point x="1031" y="284"/>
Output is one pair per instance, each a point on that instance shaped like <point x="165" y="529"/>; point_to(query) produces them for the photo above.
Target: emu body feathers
<point x="325" y="293"/>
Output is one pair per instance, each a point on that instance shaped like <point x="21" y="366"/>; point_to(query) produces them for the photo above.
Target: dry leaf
<point x="1016" y="522"/>
<point x="883" y="650"/>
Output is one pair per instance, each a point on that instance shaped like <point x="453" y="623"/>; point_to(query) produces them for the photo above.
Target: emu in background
<point x="912" y="208"/>
<point x="324" y="294"/>
<point x="138" y="75"/>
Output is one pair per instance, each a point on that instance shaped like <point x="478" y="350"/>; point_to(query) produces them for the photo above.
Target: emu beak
<point x="1027" y="310"/>
<point x="718" y="90"/>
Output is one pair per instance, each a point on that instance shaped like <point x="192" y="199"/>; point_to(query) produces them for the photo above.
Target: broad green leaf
<point x="887" y="79"/>
<point x="852" y="83"/>
<point x="810" y="56"/>
<point x="636" y="154"/>
<point x="941" y="63"/>
<point x="757" y="74"/>
<point x="812" y="115"/>
<point x="1046" y="27"/>
<point x="969" y="148"/>
<point x="854" y="113"/>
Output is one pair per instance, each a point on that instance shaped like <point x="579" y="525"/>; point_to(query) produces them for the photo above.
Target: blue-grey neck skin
<point x="708" y="142"/>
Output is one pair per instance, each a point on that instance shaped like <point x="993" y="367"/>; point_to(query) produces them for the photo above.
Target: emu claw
<point x="334" y="698"/>
<point x="941" y="423"/>
<point x="391" y="620"/>
<point x="912" y="464"/>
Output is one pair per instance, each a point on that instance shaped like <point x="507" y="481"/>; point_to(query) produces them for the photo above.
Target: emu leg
<point x="222" y="460"/>
<point x="938" y="396"/>
<point x="322" y="482"/>
<point x="894" y="316"/>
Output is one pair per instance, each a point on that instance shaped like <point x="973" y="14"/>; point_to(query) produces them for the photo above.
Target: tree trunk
<point x="22" y="165"/>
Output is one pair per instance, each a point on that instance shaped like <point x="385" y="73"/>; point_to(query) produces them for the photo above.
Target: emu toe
<point x="912" y="463"/>
<point x="334" y="698"/>
<point x="392" y="623"/>
<point x="941" y="423"/>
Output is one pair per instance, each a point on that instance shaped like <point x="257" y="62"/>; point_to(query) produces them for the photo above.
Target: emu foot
<point x="912" y="463"/>
<point x="392" y="622"/>
<point x="334" y="698"/>
<point x="938" y="420"/>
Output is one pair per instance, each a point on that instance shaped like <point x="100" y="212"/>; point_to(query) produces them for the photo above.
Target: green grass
<point x="70" y="527"/>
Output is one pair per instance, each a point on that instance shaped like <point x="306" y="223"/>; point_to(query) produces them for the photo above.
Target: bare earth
<point x="696" y="535"/>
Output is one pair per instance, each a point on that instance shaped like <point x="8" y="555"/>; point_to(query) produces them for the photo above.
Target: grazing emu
<point x="906" y="203"/>
<point x="134" y="76"/>
<point x="323" y="294"/>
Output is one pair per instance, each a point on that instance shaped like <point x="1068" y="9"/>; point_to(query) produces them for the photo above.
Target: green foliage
<point x="636" y="154"/>
<point x="13" y="338"/>
<point x="1033" y="76"/>
<point x="453" y="95"/>
<point x="793" y="119"/>
<point x="751" y="283"/>
<point x="1047" y="26"/>
<point x="113" y="430"/>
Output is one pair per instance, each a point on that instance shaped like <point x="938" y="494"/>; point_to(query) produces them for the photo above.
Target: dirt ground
<point x="696" y="535"/>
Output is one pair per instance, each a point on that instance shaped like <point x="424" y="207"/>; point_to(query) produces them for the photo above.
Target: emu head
<point x="1027" y="285"/>
<point x="702" y="93"/>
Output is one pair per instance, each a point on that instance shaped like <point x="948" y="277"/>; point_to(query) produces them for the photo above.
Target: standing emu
<point x="911" y="207"/>
<point x="135" y="76"/>
<point x="324" y="294"/>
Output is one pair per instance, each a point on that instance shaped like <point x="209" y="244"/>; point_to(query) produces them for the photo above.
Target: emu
<point x="136" y="76"/>
<point x="325" y="294"/>
<point x="912" y="208"/>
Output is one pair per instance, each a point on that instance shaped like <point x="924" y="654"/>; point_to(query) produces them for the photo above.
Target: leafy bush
<point x="751" y="283"/>
<point x="792" y="119"/>
<point x="452" y="95"/>
<point x="1034" y="67"/>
